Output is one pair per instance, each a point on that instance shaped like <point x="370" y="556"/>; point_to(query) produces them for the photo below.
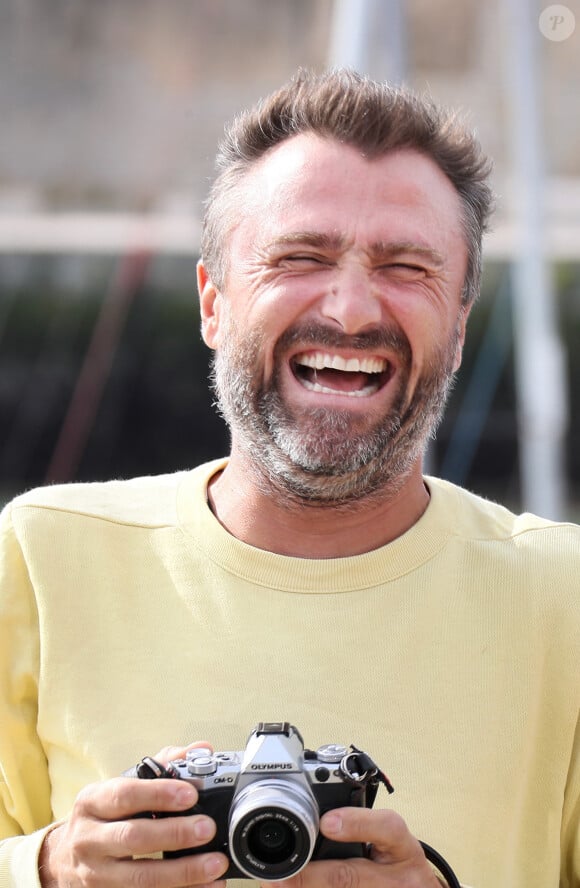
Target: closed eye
<point x="304" y="261"/>
<point x="405" y="269"/>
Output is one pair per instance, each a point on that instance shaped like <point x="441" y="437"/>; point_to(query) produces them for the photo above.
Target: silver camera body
<point x="267" y="799"/>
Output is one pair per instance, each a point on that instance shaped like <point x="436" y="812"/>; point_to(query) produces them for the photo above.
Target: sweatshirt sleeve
<point x="25" y="810"/>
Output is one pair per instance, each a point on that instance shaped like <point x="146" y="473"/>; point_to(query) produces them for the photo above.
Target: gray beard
<point x="318" y="456"/>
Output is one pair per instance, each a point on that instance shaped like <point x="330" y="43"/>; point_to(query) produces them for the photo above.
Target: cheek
<point x="286" y="299"/>
<point x="433" y="339"/>
<point x="270" y="309"/>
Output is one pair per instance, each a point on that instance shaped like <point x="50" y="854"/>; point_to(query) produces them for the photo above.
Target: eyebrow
<point x="333" y="242"/>
<point x="378" y="251"/>
<point x="393" y="249"/>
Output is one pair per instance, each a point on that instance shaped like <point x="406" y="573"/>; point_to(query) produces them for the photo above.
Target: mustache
<point x="313" y="333"/>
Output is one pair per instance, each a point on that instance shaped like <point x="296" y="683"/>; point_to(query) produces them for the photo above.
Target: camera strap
<point x="441" y="865"/>
<point x="150" y="769"/>
<point x="358" y="767"/>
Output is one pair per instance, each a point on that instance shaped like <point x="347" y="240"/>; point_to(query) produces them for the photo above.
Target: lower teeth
<point x="360" y="393"/>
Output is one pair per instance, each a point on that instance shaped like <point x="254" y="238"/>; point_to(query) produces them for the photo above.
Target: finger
<point x="182" y="872"/>
<point x="123" y="797"/>
<point x="354" y="873"/>
<point x="170" y="753"/>
<point x="131" y="838"/>
<point x="362" y="873"/>
<point x="384" y="829"/>
<point x="397" y="857"/>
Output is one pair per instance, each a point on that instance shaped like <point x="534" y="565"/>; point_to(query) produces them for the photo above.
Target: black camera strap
<point x="440" y="864"/>
<point x="150" y="769"/>
<point x="359" y="767"/>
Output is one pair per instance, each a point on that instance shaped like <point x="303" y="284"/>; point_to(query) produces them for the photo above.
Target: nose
<point x="351" y="301"/>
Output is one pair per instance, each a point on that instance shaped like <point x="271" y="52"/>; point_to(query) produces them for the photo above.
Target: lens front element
<point x="271" y="838"/>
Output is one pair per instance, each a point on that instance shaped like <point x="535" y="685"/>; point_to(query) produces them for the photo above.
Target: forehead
<point x="320" y="184"/>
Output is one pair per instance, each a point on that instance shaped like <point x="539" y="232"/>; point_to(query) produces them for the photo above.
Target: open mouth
<point x="331" y="374"/>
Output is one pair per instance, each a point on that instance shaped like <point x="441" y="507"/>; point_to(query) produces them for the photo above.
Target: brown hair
<point x="374" y="117"/>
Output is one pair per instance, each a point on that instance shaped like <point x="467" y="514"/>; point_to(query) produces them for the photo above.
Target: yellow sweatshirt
<point x="131" y="620"/>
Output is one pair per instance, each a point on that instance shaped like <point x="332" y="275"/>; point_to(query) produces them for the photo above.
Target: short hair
<point x="352" y="109"/>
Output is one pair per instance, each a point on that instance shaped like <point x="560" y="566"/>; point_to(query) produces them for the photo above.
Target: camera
<point x="267" y="799"/>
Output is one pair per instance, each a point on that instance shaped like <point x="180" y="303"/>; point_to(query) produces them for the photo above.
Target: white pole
<point x="369" y="36"/>
<point x="540" y="376"/>
<point x="349" y="35"/>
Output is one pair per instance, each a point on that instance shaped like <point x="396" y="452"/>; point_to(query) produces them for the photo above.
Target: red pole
<point x="82" y="411"/>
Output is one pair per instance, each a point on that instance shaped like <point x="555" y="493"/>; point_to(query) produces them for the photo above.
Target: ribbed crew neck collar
<point x="308" y="575"/>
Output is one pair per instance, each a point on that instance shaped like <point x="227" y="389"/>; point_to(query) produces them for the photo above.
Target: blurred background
<point x="110" y="112"/>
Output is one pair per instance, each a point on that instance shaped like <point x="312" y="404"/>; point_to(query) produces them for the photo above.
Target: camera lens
<point x="273" y="829"/>
<point x="271" y="840"/>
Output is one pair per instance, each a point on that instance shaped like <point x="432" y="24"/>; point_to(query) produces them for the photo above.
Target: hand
<point x="397" y="859"/>
<point x="94" y="848"/>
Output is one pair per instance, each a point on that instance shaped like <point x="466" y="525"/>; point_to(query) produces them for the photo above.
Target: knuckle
<point x="394" y="821"/>
<point x="144" y="875"/>
<point x="204" y="868"/>
<point x="117" y="798"/>
<point x="180" y="833"/>
<point x="163" y="795"/>
<point x="85" y="797"/>
<point x="88" y="875"/>
<point x="393" y="826"/>
<point x="141" y="877"/>
<point x="77" y="845"/>
<point x="127" y="834"/>
<point x="344" y="875"/>
<point x="193" y="872"/>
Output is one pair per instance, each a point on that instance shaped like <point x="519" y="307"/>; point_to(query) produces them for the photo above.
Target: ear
<point x="461" y="331"/>
<point x="210" y="300"/>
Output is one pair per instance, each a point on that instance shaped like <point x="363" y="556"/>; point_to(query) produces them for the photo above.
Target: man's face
<point x="340" y="323"/>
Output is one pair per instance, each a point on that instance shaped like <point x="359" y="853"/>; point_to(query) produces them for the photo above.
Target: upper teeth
<point x="320" y="360"/>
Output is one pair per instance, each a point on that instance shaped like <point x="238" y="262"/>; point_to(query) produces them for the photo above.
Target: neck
<point x="267" y="520"/>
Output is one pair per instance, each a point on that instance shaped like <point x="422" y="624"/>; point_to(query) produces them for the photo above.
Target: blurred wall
<point x="119" y="103"/>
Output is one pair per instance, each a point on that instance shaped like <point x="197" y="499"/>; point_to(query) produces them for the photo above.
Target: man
<point x="315" y="575"/>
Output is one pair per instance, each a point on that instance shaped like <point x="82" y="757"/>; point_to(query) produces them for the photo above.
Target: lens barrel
<point x="273" y="829"/>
